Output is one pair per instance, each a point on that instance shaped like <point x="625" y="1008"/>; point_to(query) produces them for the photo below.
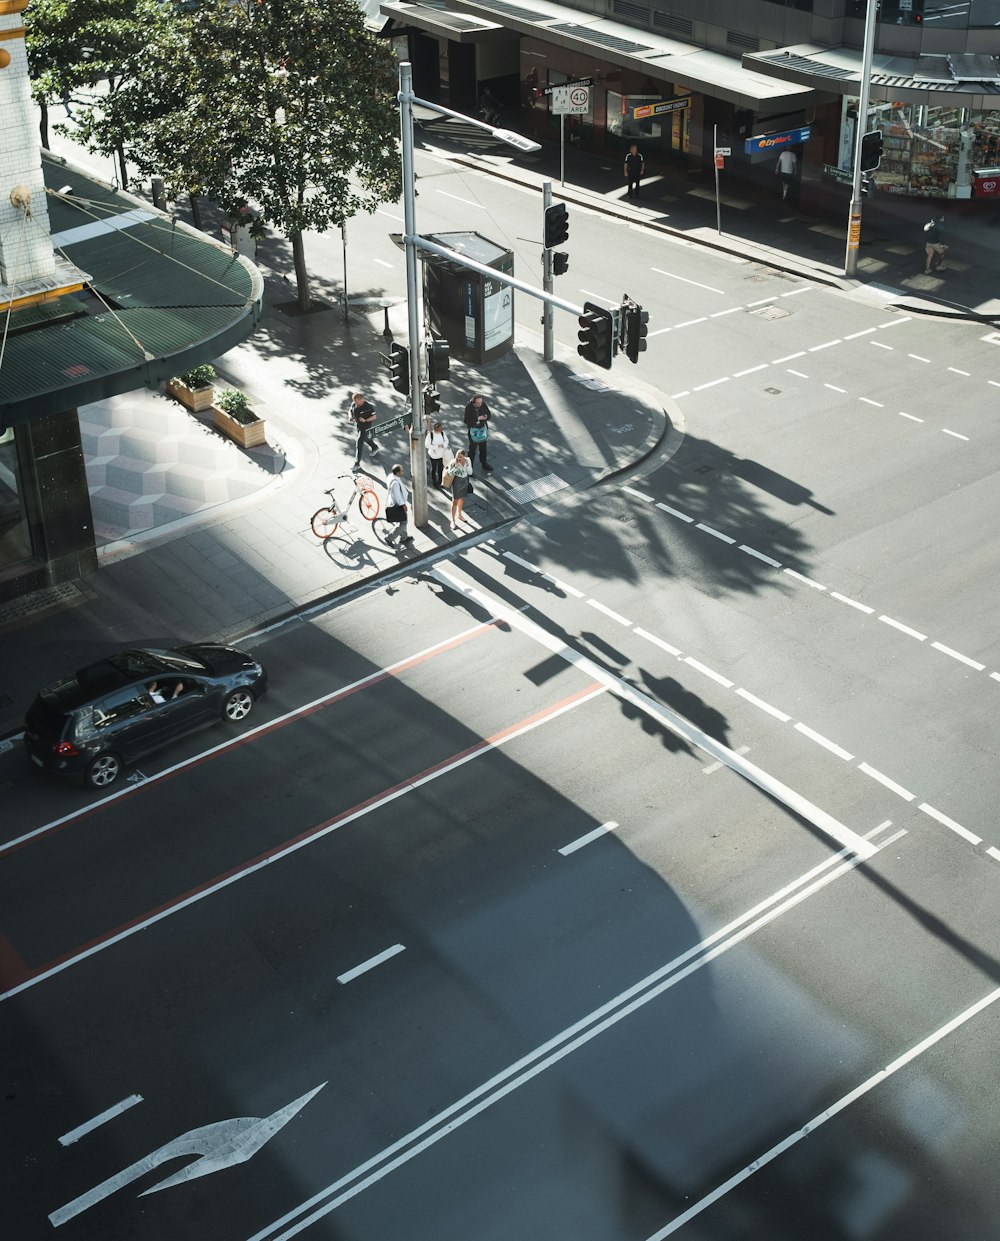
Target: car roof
<point x="102" y="677"/>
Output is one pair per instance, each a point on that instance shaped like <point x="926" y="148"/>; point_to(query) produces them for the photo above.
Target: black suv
<point x="121" y="708"/>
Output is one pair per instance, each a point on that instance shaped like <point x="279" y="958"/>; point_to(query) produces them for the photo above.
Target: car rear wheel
<point x="238" y="705"/>
<point x="104" y="771"/>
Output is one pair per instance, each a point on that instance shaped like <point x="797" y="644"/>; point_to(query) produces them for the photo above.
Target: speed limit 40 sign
<point x="570" y="100"/>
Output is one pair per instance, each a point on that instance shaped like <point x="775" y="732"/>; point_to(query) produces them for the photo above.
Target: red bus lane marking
<point x="253" y="734"/>
<point x="13" y="968"/>
<point x="75" y="955"/>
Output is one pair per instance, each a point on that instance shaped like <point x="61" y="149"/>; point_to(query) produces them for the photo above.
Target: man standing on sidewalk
<point x="635" y="165"/>
<point x="362" y="414"/>
<point x="477" y="415"/>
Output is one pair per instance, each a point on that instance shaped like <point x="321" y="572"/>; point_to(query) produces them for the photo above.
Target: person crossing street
<point x="362" y="414"/>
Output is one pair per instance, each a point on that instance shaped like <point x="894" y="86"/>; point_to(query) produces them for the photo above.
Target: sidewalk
<point x="225" y="569"/>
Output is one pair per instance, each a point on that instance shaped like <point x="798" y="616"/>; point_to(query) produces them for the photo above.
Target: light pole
<point x="414" y="300"/>
<point x="854" y="221"/>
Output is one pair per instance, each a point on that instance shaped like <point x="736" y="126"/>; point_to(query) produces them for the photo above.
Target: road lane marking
<point x="690" y="323"/>
<point x="716" y="534"/>
<point x="673" y="511"/>
<point x="895" y="322"/>
<point x="891" y="785"/>
<point x="712" y="768"/>
<point x="763" y="300"/>
<point x="864" y="332"/>
<point x="912" y="417"/>
<point x="304" y="839"/>
<point x="469" y="202"/>
<point x="811" y="1126"/>
<point x="639" y="495"/>
<point x="913" y="633"/>
<point x="868" y="401"/>
<point x="800" y="577"/>
<point x="823" y="741"/>
<point x="798" y="374"/>
<point x="711" y="384"/>
<point x="994" y="853"/>
<point x="579" y="843"/>
<point x="764" y="706"/>
<point x="917" y="358"/>
<point x="789" y="357"/>
<point x="751" y="369"/>
<point x="684" y="280"/>
<point x="945" y="431"/>
<point x="852" y="603"/>
<point x="543" y="1057"/>
<point x="251" y="734"/>
<point x="752" y="551"/>
<point x="89" y="1126"/>
<point x="964" y="832"/>
<point x="525" y="564"/>
<point x="371" y="963"/>
<point x="731" y="311"/>
<point x="615" y="616"/>
<point x="709" y="672"/>
<point x="795" y="292"/>
<point x="676" y="723"/>
<point x="946" y="650"/>
<point x="825" y="345"/>
<point x="651" y="637"/>
<point x="958" y="372"/>
<point x="880" y="344"/>
<point x="834" y="388"/>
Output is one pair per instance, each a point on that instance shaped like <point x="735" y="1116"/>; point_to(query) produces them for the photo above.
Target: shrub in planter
<point x="194" y="388"/>
<point x="237" y="406"/>
<point x="232" y="415"/>
<point x="199" y="376"/>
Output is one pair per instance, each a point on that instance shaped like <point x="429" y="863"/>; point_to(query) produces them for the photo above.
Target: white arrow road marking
<point x="218" y="1146"/>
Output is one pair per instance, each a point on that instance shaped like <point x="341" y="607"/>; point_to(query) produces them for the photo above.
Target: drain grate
<point x="66" y="595"/>
<point x="526" y="492"/>
<point x="771" y="312"/>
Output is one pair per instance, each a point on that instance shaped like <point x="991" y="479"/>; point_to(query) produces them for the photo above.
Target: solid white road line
<point x="684" y="280"/>
<point x="564" y="1043"/>
<point x="603" y="830"/>
<point x="371" y="963"/>
<point x="811" y="1126"/>
<point x="74" y="1135"/>
<point x="616" y="616"/>
<point x="820" y="819"/>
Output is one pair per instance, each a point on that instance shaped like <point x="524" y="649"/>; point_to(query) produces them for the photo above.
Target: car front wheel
<point x="104" y="771"/>
<point x="238" y="705"/>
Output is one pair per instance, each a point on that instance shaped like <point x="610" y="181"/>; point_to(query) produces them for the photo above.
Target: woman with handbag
<point x="457" y="477"/>
<point x="477" y="415"/>
<point x="437" y="446"/>
<point x="396" y="509"/>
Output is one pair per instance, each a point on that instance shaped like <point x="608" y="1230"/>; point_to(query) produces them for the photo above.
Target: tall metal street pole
<point x="414" y="307"/>
<point x="548" y="314"/>
<point x="854" y="220"/>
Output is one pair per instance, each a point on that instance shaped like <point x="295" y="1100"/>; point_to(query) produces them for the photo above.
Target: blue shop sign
<point x="777" y="142"/>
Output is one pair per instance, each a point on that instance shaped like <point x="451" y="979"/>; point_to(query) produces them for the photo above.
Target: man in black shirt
<point x="634" y="168"/>
<point x="477" y="415"/>
<point x="362" y="414"/>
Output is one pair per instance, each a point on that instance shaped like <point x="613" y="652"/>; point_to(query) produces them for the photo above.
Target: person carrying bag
<point x="397" y="508"/>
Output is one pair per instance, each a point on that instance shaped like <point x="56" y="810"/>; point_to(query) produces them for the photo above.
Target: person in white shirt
<point x="397" y="507"/>
<point x="437" y="446"/>
<point x="787" y="167"/>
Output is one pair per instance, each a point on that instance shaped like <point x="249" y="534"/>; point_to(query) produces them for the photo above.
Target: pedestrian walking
<point x="362" y="414"/>
<point x="787" y="169"/>
<point x="477" y="417"/>
<point x="635" y="166"/>
<point x="397" y="508"/>
<point x="437" y="448"/>
<point x="458" y="477"/>
<point x="934" y="244"/>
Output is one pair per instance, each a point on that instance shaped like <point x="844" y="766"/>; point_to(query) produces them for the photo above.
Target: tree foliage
<point x="286" y="104"/>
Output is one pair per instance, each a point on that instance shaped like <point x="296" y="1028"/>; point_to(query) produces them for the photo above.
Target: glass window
<point x="15" y="541"/>
<point x="120" y="706"/>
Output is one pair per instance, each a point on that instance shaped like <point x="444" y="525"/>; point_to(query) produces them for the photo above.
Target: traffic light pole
<point x="414" y="301"/>
<point x="854" y="222"/>
<point x="548" y="315"/>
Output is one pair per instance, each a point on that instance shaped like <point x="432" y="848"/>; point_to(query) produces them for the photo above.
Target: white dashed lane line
<point x="370" y="964"/>
<point x="596" y="834"/>
<point x="863" y="608"/>
<point x="803" y="729"/>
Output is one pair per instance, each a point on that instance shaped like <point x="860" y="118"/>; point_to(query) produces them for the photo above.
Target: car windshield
<point x="143" y="662"/>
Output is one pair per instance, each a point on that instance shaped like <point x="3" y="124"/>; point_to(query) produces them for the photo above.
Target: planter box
<point x="247" y="436"/>
<point x="196" y="399"/>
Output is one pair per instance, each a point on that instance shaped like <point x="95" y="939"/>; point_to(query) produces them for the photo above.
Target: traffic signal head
<point x="634" y="328"/>
<point x="432" y="401"/>
<point x="398" y="365"/>
<point x="438" y="360"/>
<point x="871" y="150"/>
<point x="867" y="184"/>
<point x="598" y="335"/>
<point x="556" y="225"/>
<point x="560" y="263"/>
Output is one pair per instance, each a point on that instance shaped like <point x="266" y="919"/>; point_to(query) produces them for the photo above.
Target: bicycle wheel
<point x="368" y="503"/>
<point x="383" y="529"/>
<point x="324" y="522"/>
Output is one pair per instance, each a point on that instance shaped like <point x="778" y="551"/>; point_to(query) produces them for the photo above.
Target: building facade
<point x="678" y="76"/>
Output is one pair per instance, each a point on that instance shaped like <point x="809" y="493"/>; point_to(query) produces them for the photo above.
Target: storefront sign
<point x="644" y="110"/>
<point x="550" y="90"/>
<point x="777" y="142"/>
<point x="986" y="183"/>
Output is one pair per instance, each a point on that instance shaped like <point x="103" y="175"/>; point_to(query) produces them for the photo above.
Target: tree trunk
<point x="120" y="150"/>
<point x="43" y="124"/>
<point x="195" y="200"/>
<point x="301" y="275"/>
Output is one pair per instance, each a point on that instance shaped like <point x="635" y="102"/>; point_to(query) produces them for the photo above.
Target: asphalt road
<point x="628" y="875"/>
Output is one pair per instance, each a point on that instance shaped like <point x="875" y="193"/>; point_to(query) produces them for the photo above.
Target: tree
<point x="286" y="104"/>
<point x="75" y="44"/>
